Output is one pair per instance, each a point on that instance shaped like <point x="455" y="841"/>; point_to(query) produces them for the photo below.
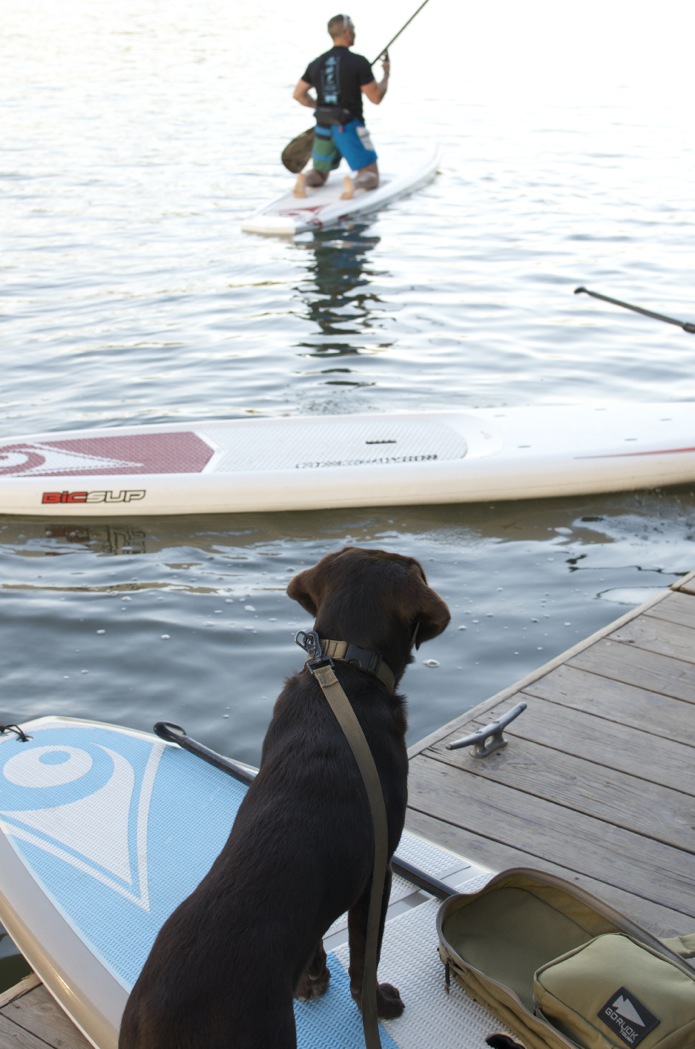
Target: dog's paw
<point x="313" y="984"/>
<point x="389" y="1003"/>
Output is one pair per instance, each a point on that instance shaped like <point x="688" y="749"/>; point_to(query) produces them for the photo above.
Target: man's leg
<point x="366" y="178"/>
<point x="325" y="158"/>
<point x="308" y="178"/>
<point x="355" y="144"/>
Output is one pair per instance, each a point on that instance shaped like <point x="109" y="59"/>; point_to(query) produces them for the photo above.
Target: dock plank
<point x="606" y="742"/>
<point x="686" y="584"/>
<point x="663" y="921"/>
<point x="598" y="848"/>
<point x="14" y="1037"/>
<point x="636" y="666"/>
<point x="654" y="634"/>
<point x="583" y="786"/>
<point x="608" y="700"/>
<point x="30" y="1019"/>
<point x="676" y="608"/>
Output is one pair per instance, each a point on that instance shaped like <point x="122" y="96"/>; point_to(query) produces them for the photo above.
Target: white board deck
<point x="399" y="174"/>
<point x="104" y="830"/>
<point x="319" y="462"/>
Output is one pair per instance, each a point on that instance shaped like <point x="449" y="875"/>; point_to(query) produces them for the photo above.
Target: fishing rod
<point x="296" y="153"/>
<point x="245" y="774"/>
<point x="685" y="325"/>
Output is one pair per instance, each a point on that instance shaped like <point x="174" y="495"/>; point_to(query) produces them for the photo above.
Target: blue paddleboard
<point x="104" y="830"/>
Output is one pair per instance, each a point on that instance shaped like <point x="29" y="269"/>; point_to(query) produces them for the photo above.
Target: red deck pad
<point x="153" y="453"/>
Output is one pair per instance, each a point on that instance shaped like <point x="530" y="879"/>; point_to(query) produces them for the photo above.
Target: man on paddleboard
<point x="339" y="79"/>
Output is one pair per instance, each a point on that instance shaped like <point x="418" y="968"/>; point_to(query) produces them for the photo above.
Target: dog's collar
<point x="361" y="658"/>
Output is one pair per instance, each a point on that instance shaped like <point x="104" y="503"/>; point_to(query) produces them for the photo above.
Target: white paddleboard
<point x="104" y="830"/>
<point x="324" y="461"/>
<point x="399" y="174"/>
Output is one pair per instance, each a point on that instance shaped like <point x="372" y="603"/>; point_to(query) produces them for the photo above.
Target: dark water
<point x="187" y="619"/>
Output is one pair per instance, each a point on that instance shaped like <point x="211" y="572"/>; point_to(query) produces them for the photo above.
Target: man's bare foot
<point x="300" y="186"/>
<point x="348" y="189"/>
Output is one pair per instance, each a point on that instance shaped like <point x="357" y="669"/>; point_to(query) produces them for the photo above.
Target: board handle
<point x="18" y="731"/>
<point x="172" y="733"/>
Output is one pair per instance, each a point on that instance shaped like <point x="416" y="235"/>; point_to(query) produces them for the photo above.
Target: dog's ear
<point x="309" y="586"/>
<point x="303" y="588"/>
<point x="433" y="615"/>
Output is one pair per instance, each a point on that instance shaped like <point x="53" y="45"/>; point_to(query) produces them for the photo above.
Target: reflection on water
<point x="337" y="289"/>
<point x="106" y="538"/>
<point x="589" y="520"/>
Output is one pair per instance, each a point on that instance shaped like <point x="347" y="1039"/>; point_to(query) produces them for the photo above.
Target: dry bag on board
<point x="563" y="970"/>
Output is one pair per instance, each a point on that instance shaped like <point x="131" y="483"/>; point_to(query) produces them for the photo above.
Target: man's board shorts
<point x="350" y="141"/>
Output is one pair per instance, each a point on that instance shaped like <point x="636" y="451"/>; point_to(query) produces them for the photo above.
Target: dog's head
<point x="371" y="598"/>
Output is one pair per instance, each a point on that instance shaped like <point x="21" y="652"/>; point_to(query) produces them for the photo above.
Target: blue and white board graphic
<point x="103" y="831"/>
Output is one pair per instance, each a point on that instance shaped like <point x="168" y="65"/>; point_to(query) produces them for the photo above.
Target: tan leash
<point x="321" y="667"/>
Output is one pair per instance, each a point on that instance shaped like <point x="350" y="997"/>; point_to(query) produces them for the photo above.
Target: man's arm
<point x="375" y="92"/>
<point x="301" y="94"/>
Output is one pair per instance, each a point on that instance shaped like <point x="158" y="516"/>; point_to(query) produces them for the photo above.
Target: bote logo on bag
<point x="627" y="1017"/>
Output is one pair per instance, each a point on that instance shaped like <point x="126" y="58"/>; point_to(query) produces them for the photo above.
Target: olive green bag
<point x="563" y="970"/>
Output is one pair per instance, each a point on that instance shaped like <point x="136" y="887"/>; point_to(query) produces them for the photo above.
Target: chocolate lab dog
<point x="226" y="965"/>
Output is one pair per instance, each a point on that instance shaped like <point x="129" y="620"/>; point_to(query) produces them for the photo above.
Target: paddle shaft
<point x="384" y="50"/>
<point x="690" y="328"/>
<point x="175" y="734"/>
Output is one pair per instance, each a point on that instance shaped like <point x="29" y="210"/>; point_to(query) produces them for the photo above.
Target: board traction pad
<point x="248" y="448"/>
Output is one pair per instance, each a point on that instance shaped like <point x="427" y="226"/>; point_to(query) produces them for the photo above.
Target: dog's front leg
<point x="389" y="1003"/>
<point x="314" y="980"/>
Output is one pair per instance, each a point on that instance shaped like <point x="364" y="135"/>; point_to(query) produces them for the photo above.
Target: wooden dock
<point x="595" y="784"/>
<point x="30" y="1019"/>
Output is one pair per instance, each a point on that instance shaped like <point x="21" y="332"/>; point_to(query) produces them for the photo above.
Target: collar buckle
<point x="310" y="641"/>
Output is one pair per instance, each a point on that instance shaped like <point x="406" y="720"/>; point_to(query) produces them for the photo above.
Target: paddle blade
<point x="296" y="153"/>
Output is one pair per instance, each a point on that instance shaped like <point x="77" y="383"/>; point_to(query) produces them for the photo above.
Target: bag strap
<point x="683" y="945"/>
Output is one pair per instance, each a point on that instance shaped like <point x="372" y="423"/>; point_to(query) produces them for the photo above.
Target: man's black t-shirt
<point x="338" y="77"/>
